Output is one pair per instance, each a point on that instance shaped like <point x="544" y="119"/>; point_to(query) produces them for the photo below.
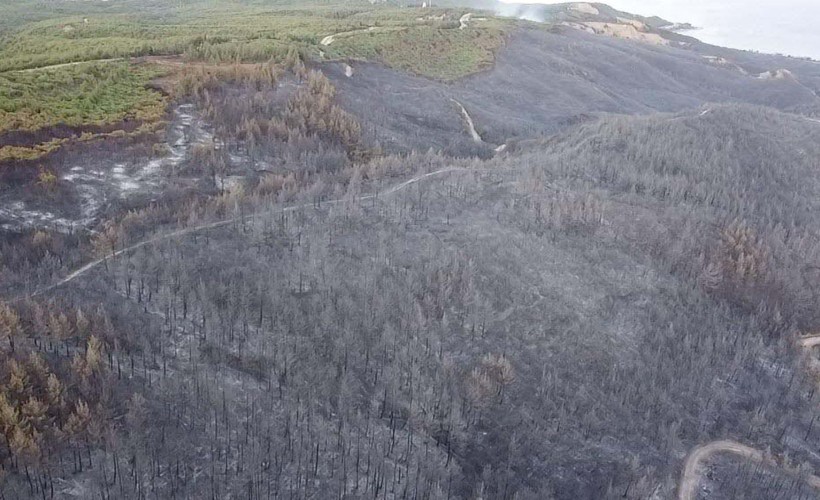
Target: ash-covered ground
<point x="330" y="287"/>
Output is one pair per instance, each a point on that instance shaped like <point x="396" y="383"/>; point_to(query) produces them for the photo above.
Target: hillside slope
<point x="553" y="278"/>
<point x="547" y="79"/>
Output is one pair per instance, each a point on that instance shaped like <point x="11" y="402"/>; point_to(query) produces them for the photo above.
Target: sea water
<point x="790" y="27"/>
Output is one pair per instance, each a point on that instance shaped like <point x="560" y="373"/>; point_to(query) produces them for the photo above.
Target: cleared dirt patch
<point x="626" y="31"/>
<point x="330" y="39"/>
<point x="584" y="8"/>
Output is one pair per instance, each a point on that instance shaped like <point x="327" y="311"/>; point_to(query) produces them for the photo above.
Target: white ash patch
<point x="93" y="181"/>
<point x="22" y="217"/>
<point x="230" y="183"/>
<point x="776" y="74"/>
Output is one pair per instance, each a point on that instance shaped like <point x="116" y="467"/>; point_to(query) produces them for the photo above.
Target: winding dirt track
<point x="471" y="128"/>
<point x="690" y="478"/>
<point x="470" y="124"/>
<point x="213" y="225"/>
<point x="328" y="40"/>
<point x="66" y="65"/>
<point x="808" y="342"/>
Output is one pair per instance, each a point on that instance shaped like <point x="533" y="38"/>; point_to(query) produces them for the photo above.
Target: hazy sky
<point x="785" y="26"/>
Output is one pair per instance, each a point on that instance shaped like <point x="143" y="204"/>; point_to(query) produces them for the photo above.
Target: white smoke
<point x="528" y="12"/>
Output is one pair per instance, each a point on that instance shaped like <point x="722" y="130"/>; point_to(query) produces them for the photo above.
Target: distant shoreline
<point x="681" y="27"/>
<point x="692" y="31"/>
<point x="762" y="27"/>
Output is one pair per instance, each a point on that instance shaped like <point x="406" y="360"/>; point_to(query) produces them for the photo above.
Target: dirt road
<point x="328" y="40"/>
<point x="690" y="478"/>
<point x="688" y="488"/>
<point x="213" y="225"/>
<point x="471" y="128"/>
<point x="470" y="124"/>
<point x="808" y="342"/>
<point x="65" y="65"/>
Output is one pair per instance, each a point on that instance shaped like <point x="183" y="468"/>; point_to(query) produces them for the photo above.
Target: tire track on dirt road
<point x="691" y="475"/>
<point x="66" y="65"/>
<point x="214" y="225"/>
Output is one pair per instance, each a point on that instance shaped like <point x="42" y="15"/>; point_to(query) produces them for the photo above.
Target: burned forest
<point x="275" y="249"/>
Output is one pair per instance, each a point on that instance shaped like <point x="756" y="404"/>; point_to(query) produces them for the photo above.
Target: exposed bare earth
<point x="464" y="20"/>
<point x="627" y="32"/>
<point x="584" y="8"/>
